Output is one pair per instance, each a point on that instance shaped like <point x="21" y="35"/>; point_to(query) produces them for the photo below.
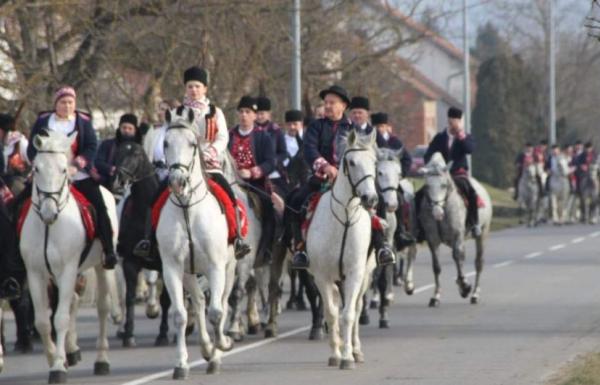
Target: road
<point x="539" y="309"/>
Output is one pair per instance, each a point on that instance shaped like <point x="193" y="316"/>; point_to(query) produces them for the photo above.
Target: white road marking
<point x="471" y="274"/>
<point x="557" y="247"/>
<point x="423" y="288"/>
<point x="502" y="264"/>
<point x="594" y="234"/>
<point x="533" y="255"/>
<point x="578" y="240"/>
<point x="193" y="364"/>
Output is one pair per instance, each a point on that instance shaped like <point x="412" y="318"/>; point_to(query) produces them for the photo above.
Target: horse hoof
<point x="434" y="302"/>
<point x="289" y="305"/>
<point x="253" y="329"/>
<point x="162" y="340"/>
<point x="474" y="300"/>
<point x="347" y="364"/>
<point x="364" y="319"/>
<point x="359" y="357"/>
<point x="180" y="373"/>
<point x="465" y="290"/>
<point x="213" y="368"/>
<point x="409" y="291"/>
<point x="333" y="362"/>
<point x="384" y="324"/>
<point x="101" y="368"/>
<point x="270" y="333"/>
<point x="129" y="342"/>
<point x="316" y="334"/>
<point x="152" y="312"/>
<point x="373" y="304"/>
<point x="227" y="346"/>
<point x="74" y="357"/>
<point x="236" y="336"/>
<point x="57" y="377"/>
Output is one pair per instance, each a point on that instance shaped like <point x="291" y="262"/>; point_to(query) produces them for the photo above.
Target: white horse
<point x="338" y="246"/>
<point x="52" y="240"/>
<point x="560" y="190"/>
<point x="529" y="193"/>
<point x="442" y="214"/>
<point x="192" y="239"/>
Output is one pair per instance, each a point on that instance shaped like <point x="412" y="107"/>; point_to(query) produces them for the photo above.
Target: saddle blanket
<point x="224" y="201"/>
<point x="85" y="209"/>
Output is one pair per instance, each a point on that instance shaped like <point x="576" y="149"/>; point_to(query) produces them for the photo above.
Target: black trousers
<point x="91" y="190"/>
<point x="11" y="263"/>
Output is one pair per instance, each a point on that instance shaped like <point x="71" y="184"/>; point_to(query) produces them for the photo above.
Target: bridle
<point x="52" y="195"/>
<point x="441" y="203"/>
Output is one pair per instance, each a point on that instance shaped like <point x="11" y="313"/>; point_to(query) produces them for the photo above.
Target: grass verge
<point x="585" y="370"/>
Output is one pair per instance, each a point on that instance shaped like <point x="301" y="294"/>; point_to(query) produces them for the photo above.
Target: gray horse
<point x="529" y="193"/>
<point x="442" y="214"/>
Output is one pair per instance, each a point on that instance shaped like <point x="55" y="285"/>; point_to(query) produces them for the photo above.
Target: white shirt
<point x="201" y="109"/>
<point x="386" y="136"/>
<point x="291" y="144"/>
<point x="450" y="139"/>
<point x="67" y="127"/>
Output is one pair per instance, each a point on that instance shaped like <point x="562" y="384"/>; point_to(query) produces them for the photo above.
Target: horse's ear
<point x="168" y="116"/>
<point x="352" y="136"/>
<point x="38" y="141"/>
<point x="190" y="115"/>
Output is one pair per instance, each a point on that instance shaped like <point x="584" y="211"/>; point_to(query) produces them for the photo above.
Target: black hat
<point x="336" y="90"/>
<point x="360" y="102"/>
<point x="589" y="145"/>
<point x="195" y="73"/>
<point x="454" y="113"/>
<point x="379" y="118"/>
<point x="129" y="118"/>
<point x="7" y="122"/>
<point x="247" y="102"/>
<point x="293" y="116"/>
<point x="263" y="103"/>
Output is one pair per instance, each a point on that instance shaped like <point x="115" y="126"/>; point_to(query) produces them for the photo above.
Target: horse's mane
<point x="229" y="170"/>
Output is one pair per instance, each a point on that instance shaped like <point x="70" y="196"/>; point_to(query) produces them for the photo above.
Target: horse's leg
<point x="277" y="263"/>
<point x="293" y="274"/>
<point x="221" y="284"/>
<point x="131" y="270"/>
<point x="173" y="278"/>
<point x="409" y="283"/>
<point x="39" y="296"/>
<point x="312" y="292"/>
<point x="331" y="309"/>
<point x="478" y="268"/>
<point x="152" y="308"/>
<point x="252" y="305"/>
<point x="384" y="285"/>
<point x="104" y="281"/>
<point x="237" y="295"/>
<point x="163" y="335"/>
<point x="352" y="296"/>
<point x="199" y="303"/>
<point x="1" y="336"/>
<point x="437" y="269"/>
<point x="73" y="352"/>
<point x="458" y="254"/>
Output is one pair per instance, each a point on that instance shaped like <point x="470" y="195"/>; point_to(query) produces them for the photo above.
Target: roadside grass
<point x="584" y="370"/>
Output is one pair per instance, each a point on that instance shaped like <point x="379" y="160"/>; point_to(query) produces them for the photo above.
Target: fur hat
<point x="360" y="102"/>
<point x="293" y="116"/>
<point x="454" y="113"/>
<point x="379" y="118"/>
<point x="263" y="103"/>
<point x="195" y="73"/>
<point x="247" y="102"/>
<point x="129" y="118"/>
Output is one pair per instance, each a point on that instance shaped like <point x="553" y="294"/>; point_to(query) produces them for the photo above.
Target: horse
<point x="529" y="193"/>
<point x="389" y="182"/>
<point x="560" y="190"/>
<point x="442" y="215"/>
<point x="589" y="190"/>
<point x="134" y="170"/>
<point x="55" y="217"/>
<point x="338" y="241"/>
<point x="192" y="236"/>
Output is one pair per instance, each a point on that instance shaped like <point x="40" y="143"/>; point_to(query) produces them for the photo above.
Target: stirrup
<point x="10" y="289"/>
<point x="142" y="249"/>
<point x="385" y="256"/>
<point x="241" y="249"/>
<point x="300" y="261"/>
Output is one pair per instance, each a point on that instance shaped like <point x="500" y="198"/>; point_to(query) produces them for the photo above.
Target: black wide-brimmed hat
<point x="379" y="118"/>
<point x="336" y="90"/>
<point x="360" y="102"/>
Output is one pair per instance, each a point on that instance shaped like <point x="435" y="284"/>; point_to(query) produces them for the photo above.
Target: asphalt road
<point x="539" y="309"/>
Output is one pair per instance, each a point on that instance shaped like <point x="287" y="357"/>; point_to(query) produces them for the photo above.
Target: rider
<point x="211" y="126"/>
<point x="386" y="139"/>
<point x="359" y="113"/>
<point x="67" y="120"/>
<point x="321" y="144"/>
<point x="583" y="162"/>
<point x="523" y="159"/>
<point x="454" y="145"/>
<point x="296" y="169"/>
<point x="104" y="165"/>
<point x="263" y="122"/>
<point x="540" y="154"/>
<point x="254" y="153"/>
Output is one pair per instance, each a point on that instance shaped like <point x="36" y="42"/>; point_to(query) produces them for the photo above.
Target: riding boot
<point x="300" y="259"/>
<point x="402" y="238"/>
<point x="240" y="247"/>
<point x="385" y="254"/>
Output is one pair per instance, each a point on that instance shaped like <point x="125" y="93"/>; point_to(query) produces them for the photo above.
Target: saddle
<point x="86" y="210"/>
<point x="226" y="206"/>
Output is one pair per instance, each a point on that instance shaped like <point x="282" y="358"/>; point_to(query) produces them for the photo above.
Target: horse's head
<point x="358" y="166"/>
<point x="51" y="172"/>
<point x="389" y="174"/>
<point x="131" y="164"/>
<point x="438" y="185"/>
<point x="181" y="150"/>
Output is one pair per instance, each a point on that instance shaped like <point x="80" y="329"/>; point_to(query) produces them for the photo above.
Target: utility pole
<point x="552" y="76"/>
<point x="296" y="56"/>
<point x="467" y="73"/>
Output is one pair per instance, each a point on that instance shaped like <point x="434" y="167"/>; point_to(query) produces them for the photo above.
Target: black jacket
<point x="105" y="157"/>
<point x="87" y="143"/>
<point x="278" y="139"/>
<point x="395" y="143"/>
<point x="321" y="140"/>
<point x="457" y="153"/>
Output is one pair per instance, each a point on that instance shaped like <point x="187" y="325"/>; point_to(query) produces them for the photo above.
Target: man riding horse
<point x="454" y="145"/>
<point x="322" y="143"/>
